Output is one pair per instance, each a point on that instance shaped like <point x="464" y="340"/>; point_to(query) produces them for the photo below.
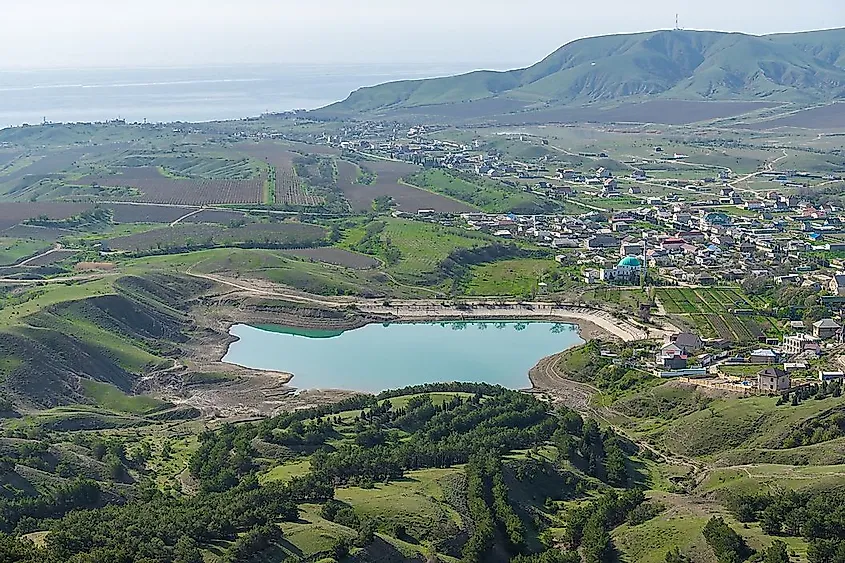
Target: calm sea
<point x="192" y="94"/>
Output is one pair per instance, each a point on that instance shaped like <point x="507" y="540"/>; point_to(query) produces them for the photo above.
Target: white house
<point x="628" y="269"/>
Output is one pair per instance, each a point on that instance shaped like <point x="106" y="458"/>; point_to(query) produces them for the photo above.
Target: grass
<point x="13" y="250"/>
<point x="110" y="397"/>
<point x="113" y="231"/>
<point x="610" y="203"/>
<point x="424" y="246"/>
<point x="736" y="211"/>
<point x="742" y="370"/>
<point x="489" y="195"/>
<point x="42" y="297"/>
<point x="509" y="277"/>
<point x="680" y="525"/>
<point x="314" y="277"/>
<point x="630" y="298"/>
<point x="756" y="478"/>
<point x="313" y="534"/>
<point x="737" y="431"/>
<point x="167" y="469"/>
<point x="8" y="364"/>
<point x="127" y="352"/>
<point x="437" y="399"/>
<point x="286" y="472"/>
<point x="416" y="501"/>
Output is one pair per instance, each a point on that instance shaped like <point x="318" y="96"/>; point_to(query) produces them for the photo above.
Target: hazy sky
<point x="86" y="33"/>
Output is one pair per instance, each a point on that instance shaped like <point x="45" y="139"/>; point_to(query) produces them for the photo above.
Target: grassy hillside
<point x="70" y="344"/>
<point x="678" y="64"/>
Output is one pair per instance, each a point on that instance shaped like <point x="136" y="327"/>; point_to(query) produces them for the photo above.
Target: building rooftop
<point x="764" y="352"/>
<point x="630" y="261"/>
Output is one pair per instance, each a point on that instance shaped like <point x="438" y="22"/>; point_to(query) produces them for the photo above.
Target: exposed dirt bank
<point x="218" y="388"/>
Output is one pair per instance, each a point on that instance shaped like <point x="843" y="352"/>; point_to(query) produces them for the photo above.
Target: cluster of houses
<point x="684" y="355"/>
<point x="693" y="246"/>
<point x="700" y="242"/>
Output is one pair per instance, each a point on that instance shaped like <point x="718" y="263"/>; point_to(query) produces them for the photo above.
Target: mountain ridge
<point x="805" y="67"/>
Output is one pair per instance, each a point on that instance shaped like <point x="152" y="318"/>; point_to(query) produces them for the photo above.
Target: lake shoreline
<point x="584" y="329"/>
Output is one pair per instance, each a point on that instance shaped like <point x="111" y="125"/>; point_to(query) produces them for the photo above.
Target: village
<point x="627" y="230"/>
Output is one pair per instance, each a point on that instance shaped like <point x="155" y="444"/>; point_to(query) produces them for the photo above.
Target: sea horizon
<point x="194" y="93"/>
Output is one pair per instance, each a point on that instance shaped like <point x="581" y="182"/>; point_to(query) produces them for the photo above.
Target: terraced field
<point x="337" y="256"/>
<point x="387" y="183"/>
<point x="719" y="312"/>
<point x="289" y="187"/>
<point x="186" y="237"/>
<point x="155" y="188"/>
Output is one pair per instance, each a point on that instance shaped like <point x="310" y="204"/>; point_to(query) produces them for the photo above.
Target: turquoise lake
<point x="378" y="357"/>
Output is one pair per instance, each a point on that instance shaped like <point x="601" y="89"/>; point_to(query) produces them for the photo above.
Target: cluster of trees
<point x="375" y="243"/>
<point x="383" y="204"/>
<point x="96" y="216"/>
<point x="489" y="506"/>
<point x="492" y="419"/>
<point x="588" y="526"/>
<point x="585" y="363"/>
<point x="309" y="433"/>
<point x="818" y="516"/>
<point x="317" y="172"/>
<point x="476" y="427"/>
<point x="727" y="545"/>
<point x="439" y="436"/>
<point x="813" y="391"/>
<point x="827" y="195"/>
<point x="823" y="428"/>
<point x="585" y="445"/>
<point x="787" y="301"/>
<point x="343" y="514"/>
<point x="156" y="527"/>
<point x="21" y="514"/>
<point x="223" y="458"/>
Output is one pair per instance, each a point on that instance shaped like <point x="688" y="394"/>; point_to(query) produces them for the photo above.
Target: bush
<point x="727" y="545"/>
<point x="645" y="512"/>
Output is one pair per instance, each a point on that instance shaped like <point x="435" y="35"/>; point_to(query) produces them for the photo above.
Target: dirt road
<point x="430" y="309"/>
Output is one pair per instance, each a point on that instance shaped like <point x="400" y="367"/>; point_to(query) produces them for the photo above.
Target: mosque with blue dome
<point x="628" y="270"/>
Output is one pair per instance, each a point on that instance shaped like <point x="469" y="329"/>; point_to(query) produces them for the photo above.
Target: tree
<point x="776" y="553"/>
<point x="674" y="555"/>
<point x="614" y="464"/>
<point x="186" y="550"/>
<point x="596" y="541"/>
<point x="727" y="545"/>
<point x="340" y="548"/>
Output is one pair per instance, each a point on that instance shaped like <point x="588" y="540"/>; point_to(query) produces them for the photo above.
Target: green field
<point x="712" y="311"/>
<point x="422" y="247"/>
<point x="13" y="250"/>
<point x="111" y="398"/>
<point x="486" y="194"/>
<point x="509" y="277"/>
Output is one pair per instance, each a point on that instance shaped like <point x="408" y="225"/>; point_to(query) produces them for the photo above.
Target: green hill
<point x="674" y="64"/>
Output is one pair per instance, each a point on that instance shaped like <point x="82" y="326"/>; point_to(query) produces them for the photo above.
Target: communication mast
<point x="677" y="25"/>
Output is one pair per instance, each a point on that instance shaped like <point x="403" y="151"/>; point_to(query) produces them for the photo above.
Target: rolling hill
<point x="673" y="64"/>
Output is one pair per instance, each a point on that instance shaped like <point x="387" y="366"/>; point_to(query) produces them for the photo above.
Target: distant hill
<point x="676" y="64"/>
